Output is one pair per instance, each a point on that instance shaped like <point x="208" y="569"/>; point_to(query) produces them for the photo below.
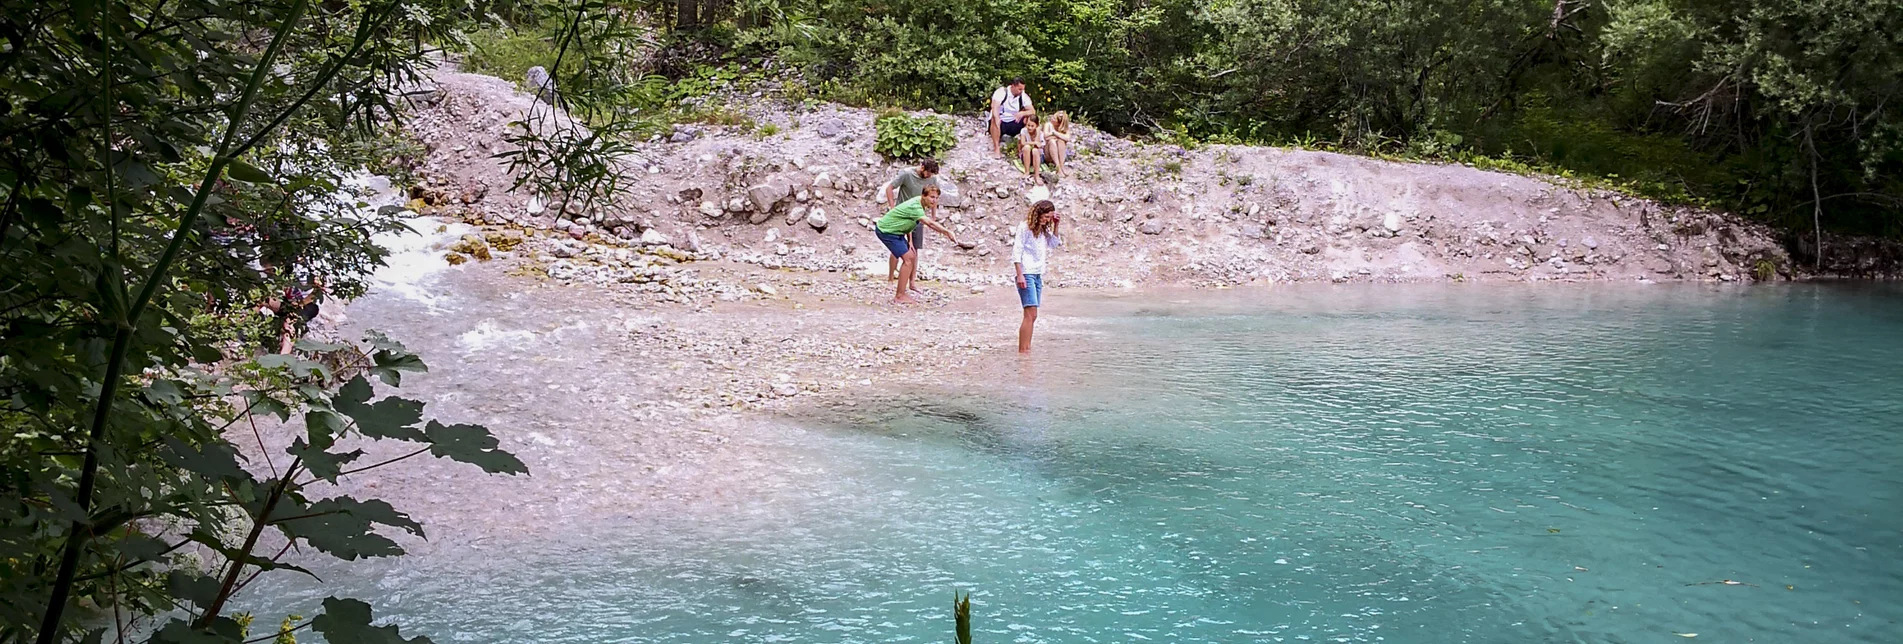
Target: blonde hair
<point x="1034" y="219"/>
<point x="1060" y="122"/>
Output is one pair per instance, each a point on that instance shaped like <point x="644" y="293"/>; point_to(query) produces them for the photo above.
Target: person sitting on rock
<point x="1057" y="139"/>
<point x="899" y="222"/>
<point x="1031" y="149"/>
<point x="909" y="184"/>
<point x="1009" y="106"/>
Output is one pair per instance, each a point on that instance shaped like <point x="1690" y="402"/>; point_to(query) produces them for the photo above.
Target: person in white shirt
<point x="1009" y="105"/>
<point x="1028" y="258"/>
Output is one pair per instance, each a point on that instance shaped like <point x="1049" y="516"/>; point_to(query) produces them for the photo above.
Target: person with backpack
<point x="1009" y="106"/>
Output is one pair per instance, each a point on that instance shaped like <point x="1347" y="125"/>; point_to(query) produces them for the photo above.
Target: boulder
<point x="948" y="195"/>
<point x="765" y="197"/>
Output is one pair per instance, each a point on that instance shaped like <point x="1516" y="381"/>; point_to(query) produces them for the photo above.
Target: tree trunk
<point x="1817" y="203"/>
<point x="686" y="14"/>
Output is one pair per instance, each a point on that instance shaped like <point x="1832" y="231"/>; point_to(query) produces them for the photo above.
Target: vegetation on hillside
<point x="1781" y="110"/>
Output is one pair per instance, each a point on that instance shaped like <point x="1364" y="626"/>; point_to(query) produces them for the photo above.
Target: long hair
<point x="1060" y="122"/>
<point x="1035" y="220"/>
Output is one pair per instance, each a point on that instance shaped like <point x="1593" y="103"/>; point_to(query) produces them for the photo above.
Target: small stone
<point x="785" y="389"/>
<point x="1151" y="227"/>
<point x="1664" y="247"/>
<point x="795" y="215"/>
<point x="652" y="237"/>
<point x="817" y="219"/>
<point x="535" y="206"/>
<point x="766" y="289"/>
<point x="1591" y="243"/>
<point x="823" y="180"/>
<point x="1392" y="222"/>
<point x="772" y="235"/>
<point x="711" y="210"/>
<point x="1311" y="249"/>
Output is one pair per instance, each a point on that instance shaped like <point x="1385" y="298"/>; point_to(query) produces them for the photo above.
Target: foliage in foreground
<point x="167" y="166"/>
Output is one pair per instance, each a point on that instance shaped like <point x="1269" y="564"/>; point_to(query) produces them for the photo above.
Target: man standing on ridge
<point x="1008" y="106"/>
<point x="908" y="184"/>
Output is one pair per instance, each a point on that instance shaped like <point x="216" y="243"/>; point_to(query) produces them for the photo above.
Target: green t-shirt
<point x="909" y="185"/>
<point x="901" y="219"/>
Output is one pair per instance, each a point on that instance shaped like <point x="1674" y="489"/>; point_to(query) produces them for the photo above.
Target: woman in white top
<point x="1028" y="257"/>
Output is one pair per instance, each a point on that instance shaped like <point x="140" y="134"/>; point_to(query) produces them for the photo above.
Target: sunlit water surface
<point x="1411" y="464"/>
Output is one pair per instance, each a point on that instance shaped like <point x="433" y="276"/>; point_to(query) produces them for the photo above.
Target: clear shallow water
<point x="1417" y="464"/>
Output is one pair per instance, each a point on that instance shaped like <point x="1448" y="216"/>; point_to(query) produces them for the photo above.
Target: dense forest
<point x="1777" y="109"/>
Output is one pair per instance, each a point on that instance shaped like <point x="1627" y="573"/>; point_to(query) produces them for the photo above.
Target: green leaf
<point x="342" y="526"/>
<point x="216" y="460"/>
<point x="348" y="620"/>
<point x="472" y="444"/>
<point x="307" y="344"/>
<point x="224" y="630"/>
<point x="246" y="172"/>
<point x="322" y="462"/>
<point x="195" y="588"/>
<point x="391" y="417"/>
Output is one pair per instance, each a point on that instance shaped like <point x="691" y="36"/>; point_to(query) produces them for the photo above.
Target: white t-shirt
<point x="1008" y="105"/>
<point x="1033" y="251"/>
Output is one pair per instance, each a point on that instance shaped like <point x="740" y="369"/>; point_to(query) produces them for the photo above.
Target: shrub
<point x="908" y="137"/>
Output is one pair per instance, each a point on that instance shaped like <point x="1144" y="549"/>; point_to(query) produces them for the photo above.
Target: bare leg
<point x="1024" y="330"/>
<point x="904" y="295"/>
<point x="997" y="137"/>
<point x="1028" y="155"/>
<point x="1058" y="149"/>
<point x="891" y="268"/>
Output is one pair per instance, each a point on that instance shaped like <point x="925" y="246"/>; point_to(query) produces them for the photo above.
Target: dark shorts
<point x="917" y="237"/>
<point x="1010" y="128"/>
<point x="895" y="243"/>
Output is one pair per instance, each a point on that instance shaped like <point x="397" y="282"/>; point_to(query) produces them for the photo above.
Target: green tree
<point x="167" y="166"/>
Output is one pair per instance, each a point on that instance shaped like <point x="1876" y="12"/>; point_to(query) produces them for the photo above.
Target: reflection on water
<point x="1352" y="465"/>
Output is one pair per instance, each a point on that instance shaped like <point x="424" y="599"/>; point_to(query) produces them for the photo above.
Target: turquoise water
<point x="1418" y="464"/>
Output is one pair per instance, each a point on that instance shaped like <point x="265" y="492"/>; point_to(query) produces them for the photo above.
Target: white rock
<point x="766" y="289"/>
<point x="1392" y="222"/>
<point x="817" y="219"/>
<point x="1254" y="208"/>
<point x="772" y="235"/>
<point x="1664" y="247"/>
<point x="795" y="215"/>
<point x="652" y="237"/>
<point x="535" y="205"/>
<point x="785" y="389"/>
<point x="711" y="209"/>
<point x="823" y="180"/>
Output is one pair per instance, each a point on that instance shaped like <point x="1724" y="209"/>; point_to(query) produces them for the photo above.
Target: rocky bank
<point x="1137" y="214"/>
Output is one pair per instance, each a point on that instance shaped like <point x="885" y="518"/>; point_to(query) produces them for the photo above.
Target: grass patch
<point x="509" y="53"/>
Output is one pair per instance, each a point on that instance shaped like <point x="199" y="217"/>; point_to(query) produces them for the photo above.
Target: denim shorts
<point x="894" y="243"/>
<point x="1032" y="294"/>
